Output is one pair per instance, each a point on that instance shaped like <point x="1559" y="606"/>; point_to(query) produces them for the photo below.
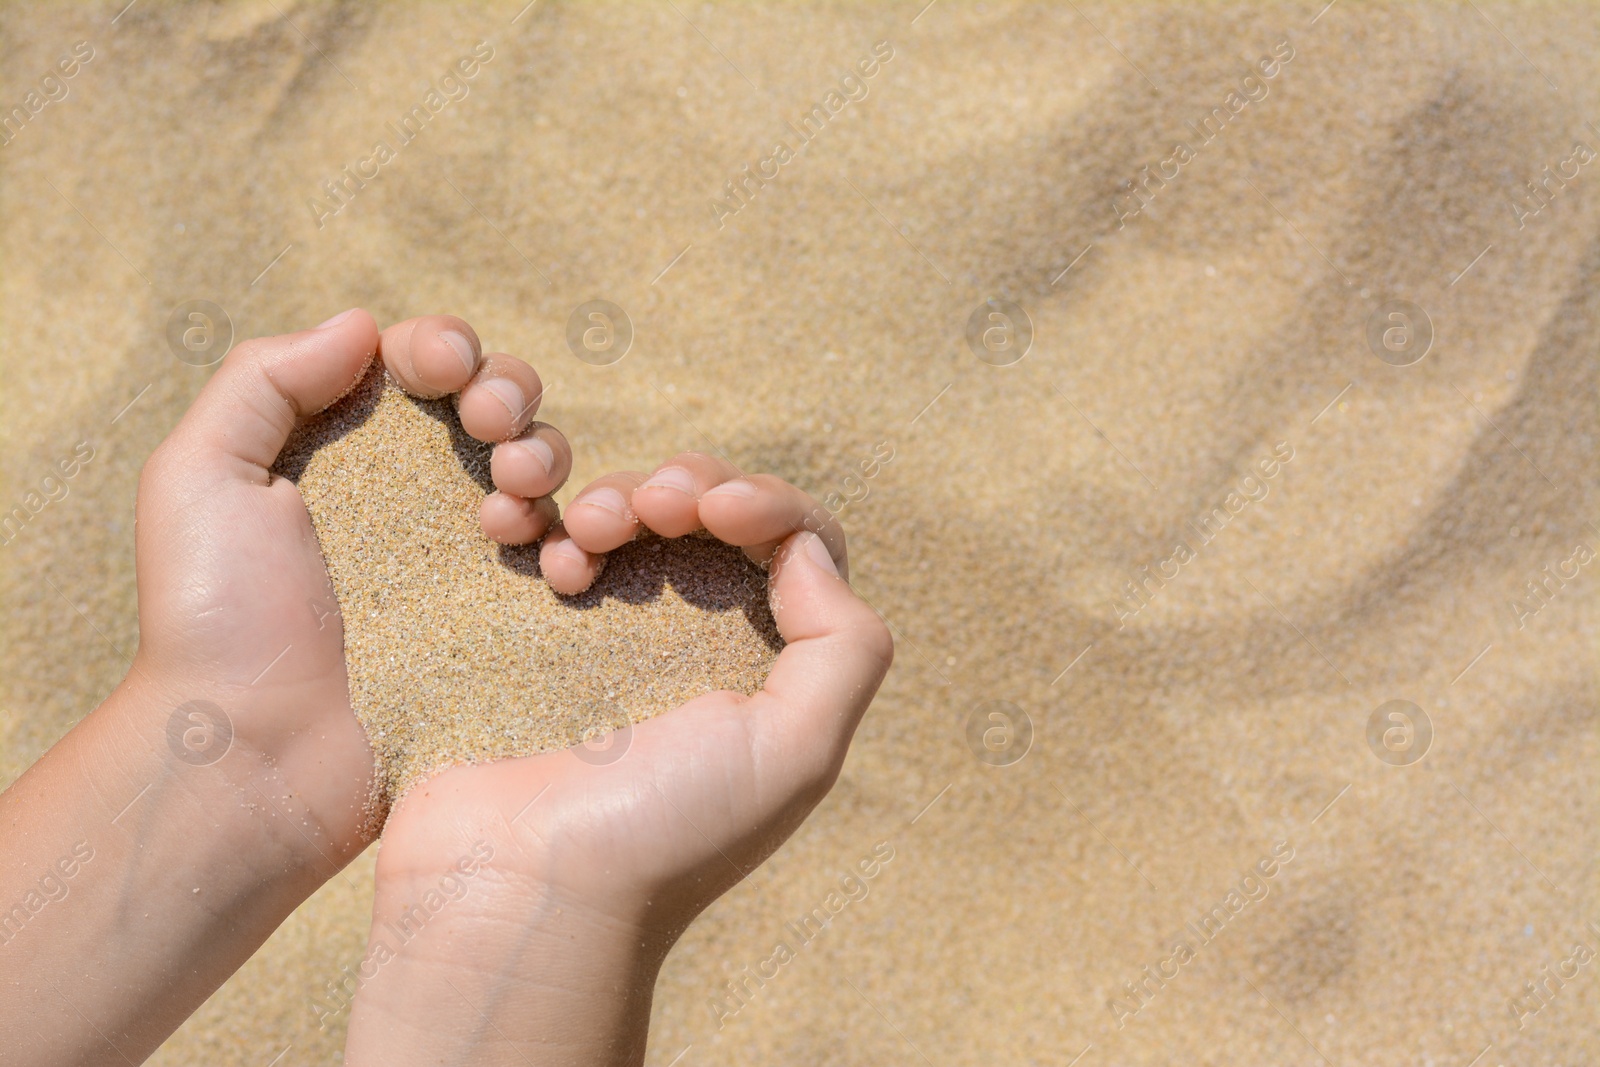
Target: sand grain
<point x="458" y="650"/>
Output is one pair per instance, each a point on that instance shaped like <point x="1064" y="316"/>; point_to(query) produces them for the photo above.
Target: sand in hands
<point x="458" y="650"/>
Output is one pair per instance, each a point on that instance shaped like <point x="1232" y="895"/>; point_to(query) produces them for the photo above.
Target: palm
<point x="238" y="589"/>
<point x="235" y="600"/>
<point x="702" y="793"/>
<point x="681" y="811"/>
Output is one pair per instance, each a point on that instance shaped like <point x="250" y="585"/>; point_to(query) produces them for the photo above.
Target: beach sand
<point x="1178" y="734"/>
<point x="457" y="649"/>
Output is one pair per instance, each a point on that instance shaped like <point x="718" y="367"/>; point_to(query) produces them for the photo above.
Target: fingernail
<point x="671" y="478"/>
<point x="570" y="550"/>
<point x="336" y="320"/>
<point x="818" y="553"/>
<point x="606" y="498"/>
<point x="505" y="390"/>
<point x="540" y="451"/>
<point x="463" y="348"/>
<point x="737" y="487"/>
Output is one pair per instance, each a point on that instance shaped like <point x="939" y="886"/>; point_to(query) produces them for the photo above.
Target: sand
<point x="1171" y="354"/>
<point x="458" y="651"/>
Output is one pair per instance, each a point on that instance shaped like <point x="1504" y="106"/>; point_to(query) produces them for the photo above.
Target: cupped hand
<point x="236" y="610"/>
<point x="226" y="777"/>
<point x="702" y="793"/>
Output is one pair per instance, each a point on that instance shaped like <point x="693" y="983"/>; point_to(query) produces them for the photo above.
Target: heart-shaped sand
<point x="457" y="649"/>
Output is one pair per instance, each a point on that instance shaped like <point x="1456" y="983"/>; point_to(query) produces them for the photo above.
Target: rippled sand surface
<point x="1180" y="557"/>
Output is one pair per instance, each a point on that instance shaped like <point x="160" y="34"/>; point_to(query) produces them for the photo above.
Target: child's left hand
<point x="154" y="848"/>
<point x="235" y="604"/>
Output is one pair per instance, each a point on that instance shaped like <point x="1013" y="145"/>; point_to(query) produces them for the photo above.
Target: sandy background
<point x="825" y="318"/>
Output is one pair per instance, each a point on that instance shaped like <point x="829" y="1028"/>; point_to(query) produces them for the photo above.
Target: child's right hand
<point x="592" y="871"/>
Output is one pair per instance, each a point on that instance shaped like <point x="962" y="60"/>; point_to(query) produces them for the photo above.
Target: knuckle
<point x="822" y="784"/>
<point x="876" y="642"/>
<point x="152" y="472"/>
<point x="251" y="351"/>
<point x="162" y="476"/>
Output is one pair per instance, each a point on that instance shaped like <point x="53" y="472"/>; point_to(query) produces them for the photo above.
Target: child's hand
<point x="552" y="948"/>
<point x="235" y="605"/>
<point x="226" y="778"/>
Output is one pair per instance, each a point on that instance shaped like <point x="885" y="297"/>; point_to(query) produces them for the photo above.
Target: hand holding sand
<point x="225" y="778"/>
<point x="594" y="870"/>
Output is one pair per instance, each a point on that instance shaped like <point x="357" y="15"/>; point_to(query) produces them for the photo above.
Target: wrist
<point x="492" y="968"/>
<point x="305" y="780"/>
<point x="112" y="824"/>
<point x="186" y="755"/>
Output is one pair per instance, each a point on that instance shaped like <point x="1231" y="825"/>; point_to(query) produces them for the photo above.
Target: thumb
<point x="838" y="651"/>
<point x="238" y="424"/>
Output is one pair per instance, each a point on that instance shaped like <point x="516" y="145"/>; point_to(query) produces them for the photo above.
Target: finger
<point x="566" y="566"/>
<point x="501" y="400"/>
<point x="241" y="419"/>
<point x="669" y="500"/>
<point x="759" y="511"/>
<point x="601" y="517"/>
<point x="534" y="465"/>
<point x="515" y="520"/>
<point x="431" y="356"/>
<point x="837" y="653"/>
